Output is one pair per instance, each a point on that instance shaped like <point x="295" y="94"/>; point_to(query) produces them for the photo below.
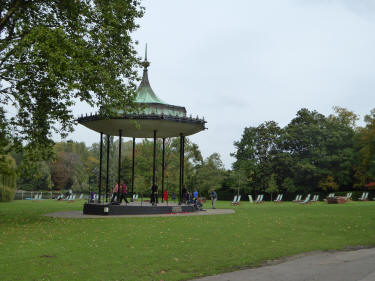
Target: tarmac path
<point x="358" y="265"/>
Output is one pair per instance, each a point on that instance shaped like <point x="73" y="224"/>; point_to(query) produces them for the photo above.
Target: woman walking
<point x="115" y="193"/>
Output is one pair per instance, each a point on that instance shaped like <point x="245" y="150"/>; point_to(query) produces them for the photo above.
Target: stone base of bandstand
<point x="135" y="208"/>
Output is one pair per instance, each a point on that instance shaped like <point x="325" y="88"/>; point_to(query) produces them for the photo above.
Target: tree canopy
<point x="313" y="152"/>
<point x="55" y="53"/>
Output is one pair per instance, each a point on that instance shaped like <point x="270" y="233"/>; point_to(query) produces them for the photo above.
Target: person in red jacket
<point x="124" y="192"/>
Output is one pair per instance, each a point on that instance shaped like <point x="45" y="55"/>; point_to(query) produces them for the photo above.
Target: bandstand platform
<point x="136" y="208"/>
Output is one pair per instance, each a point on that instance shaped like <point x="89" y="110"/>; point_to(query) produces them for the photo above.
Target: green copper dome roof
<point x="153" y="116"/>
<point x="145" y="94"/>
<point x="152" y="104"/>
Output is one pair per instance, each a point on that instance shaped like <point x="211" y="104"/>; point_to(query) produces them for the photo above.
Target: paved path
<point x="358" y="265"/>
<point x="80" y="215"/>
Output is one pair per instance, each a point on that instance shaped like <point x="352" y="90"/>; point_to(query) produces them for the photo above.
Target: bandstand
<point x="155" y="119"/>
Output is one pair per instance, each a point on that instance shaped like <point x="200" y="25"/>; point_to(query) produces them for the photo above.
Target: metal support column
<point x="154" y="161"/>
<point x="119" y="163"/>
<point x="133" y="168"/>
<point x="100" y="167"/>
<point x="183" y="161"/>
<point x="181" y="174"/>
<point x="162" y="171"/>
<point x="107" y="176"/>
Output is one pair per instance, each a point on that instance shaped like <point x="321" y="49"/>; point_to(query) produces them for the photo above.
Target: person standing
<point x="124" y="191"/>
<point x="213" y="195"/>
<point x="115" y="193"/>
<point x="154" y="192"/>
<point x="183" y="195"/>
<point x="195" y="195"/>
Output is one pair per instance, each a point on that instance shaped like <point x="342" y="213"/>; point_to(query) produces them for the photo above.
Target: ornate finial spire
<point x="145" y="63"/>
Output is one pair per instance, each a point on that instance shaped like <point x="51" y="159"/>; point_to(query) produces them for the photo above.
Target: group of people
<point x="192" y="198"/>
<point x="120" y="192"/>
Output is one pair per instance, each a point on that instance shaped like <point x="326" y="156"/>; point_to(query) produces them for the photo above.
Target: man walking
<point x="124" y="191"/>
<point x="115" y="193"/>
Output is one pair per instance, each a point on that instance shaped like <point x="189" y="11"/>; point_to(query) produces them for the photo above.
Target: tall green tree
<point x="365" y="151"/>
<point x="55" y="53"/>
<point x="210" y="174"/>
<point x="255" y="154"/>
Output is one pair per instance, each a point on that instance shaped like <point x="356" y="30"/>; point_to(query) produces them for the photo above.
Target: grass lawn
<point x="34" y="247"/>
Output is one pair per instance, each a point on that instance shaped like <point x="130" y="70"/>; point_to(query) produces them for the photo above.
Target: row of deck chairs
<point x="307" y="199"/>
<point x="71" y="197"/>
<point x="258" y="200"/>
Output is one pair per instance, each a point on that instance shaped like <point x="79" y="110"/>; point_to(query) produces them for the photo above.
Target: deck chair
<point x="81" y="196"/>
<point x="348" y="196"/>
<point x="307" y="199"/>
<point x="257" y="199"/>
<point x="277" y="198"/>
<point x="366" y="197"/>
<point x="238" y="201"/>
<point x="234" y="200"/>
<point x="315" y="198"/>
<point x="260" y="200"/>
<point x="250" y="199"/>
<point x="362" y="198"/>
<point x="298" y="198"/>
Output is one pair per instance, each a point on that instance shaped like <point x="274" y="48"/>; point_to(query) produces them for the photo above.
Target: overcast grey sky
<point x="242" y="62"/>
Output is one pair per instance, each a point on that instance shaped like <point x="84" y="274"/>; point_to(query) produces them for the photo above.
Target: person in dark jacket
<point x="154" y="192"/>
<point x="213" y="196"/>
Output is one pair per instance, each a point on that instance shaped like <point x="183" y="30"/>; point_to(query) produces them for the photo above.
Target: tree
<point x="256" y="152"/>
<point x="272" y="185"/>
<point x="55" y="53"/>
<point x="288" y="185"/>
<point x="35" y="176"/>
<point x="210" y="175"/>
<point x="365" y="151"/>
<point x="328" y="184"/>
<point x="319" y="146"/>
